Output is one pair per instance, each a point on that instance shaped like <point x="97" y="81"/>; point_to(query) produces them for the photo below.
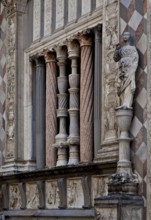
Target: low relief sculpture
<point x="15" y="198"/>
<point x="32" y="196"/>
<point x="128" y="62"/>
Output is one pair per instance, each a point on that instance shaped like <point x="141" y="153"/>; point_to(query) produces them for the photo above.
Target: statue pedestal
<point x="122" y="207"/>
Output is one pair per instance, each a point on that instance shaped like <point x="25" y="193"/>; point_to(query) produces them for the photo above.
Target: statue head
<point x="126" y="36"/>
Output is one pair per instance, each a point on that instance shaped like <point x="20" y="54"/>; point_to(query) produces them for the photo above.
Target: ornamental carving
<point x="110" y="70"/>
<point x="32" y="196"/>
<point x="14" y="5"/>
<point x="11" y="78"/>
<point x="52" y="195"/>
<point x="14" y="197"/>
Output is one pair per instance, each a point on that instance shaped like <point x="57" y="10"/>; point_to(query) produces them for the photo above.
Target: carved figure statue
<point x="128" y="57"/>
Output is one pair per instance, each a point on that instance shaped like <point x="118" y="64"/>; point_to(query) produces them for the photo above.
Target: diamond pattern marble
<point x="133" y="16"/>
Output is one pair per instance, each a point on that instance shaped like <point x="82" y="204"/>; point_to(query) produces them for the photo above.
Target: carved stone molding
<point x="22" y="189"/>
<point x="5" y="196"/>
<point x="41" y="190"/>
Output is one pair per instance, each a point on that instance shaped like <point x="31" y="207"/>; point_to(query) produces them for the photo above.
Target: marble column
<point x="40" y="112"/>
<point x="74" y="81"/>
<point x="51" y="108"/>
<point x="86" y="99"/>
<point x="62" y="112"/>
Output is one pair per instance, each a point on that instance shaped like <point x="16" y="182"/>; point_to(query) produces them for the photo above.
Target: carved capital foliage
<point x="14" y="6"/>
<point x="85" y="38"/>
<point x="61" y="52"/>
<point x="49" y="57"/>
<point x="73" y="48"/>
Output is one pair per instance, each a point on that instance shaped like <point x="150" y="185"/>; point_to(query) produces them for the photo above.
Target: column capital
<point x="73" y="48"/>
<point x="37" y="58"/>
<point x="61" y="51"/>
<point x="85" y="38"/>
<point x="49" y="57"/>
<point x="12" y="6"/>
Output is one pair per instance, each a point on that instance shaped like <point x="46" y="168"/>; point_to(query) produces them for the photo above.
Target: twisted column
<point x="74" y="81"/>
<point x="40" y="112"/>
<point x="51" y="108"/>
<point x="86" y="99"/>
<point x="62" y="113"/>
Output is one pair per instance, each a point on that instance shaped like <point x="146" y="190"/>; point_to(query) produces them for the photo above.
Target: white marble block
<point x="59" y="13"/>
<point x="47" y="17"/>
<point x="86" y="6"/>
<point x="36" y="19"/>
<point x="72" y="10"/>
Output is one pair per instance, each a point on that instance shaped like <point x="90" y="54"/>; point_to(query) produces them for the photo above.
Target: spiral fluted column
<point x="51" y="108"/>
<point x="86" y="99"/>
<point x="62" y="112"/>
<point x="74" y="81"/>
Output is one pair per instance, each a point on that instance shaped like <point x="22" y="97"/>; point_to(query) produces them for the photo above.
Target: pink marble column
<point x="51" y="108"/>
<point x="86" y="99"/>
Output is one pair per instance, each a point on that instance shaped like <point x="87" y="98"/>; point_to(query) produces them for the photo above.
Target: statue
<point x="128" y="57"/>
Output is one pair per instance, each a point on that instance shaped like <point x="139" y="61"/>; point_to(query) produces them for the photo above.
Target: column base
<point x="12" y="166"/>
<point x="121" y="207"/>
<point x="109" y="152"/>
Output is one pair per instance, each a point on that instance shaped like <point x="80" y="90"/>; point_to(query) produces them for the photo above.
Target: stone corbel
<point x="22" y="189"/>
<point x="62" y="193"/>
<point x="86" y="185"/>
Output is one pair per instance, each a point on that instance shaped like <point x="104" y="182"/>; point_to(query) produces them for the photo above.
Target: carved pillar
<point x="109" y="131"/>
<point x="62" y="113"/>
<point x="97" y="88"/>
<point x="40" y="112"/>
<point x="74" y="81"/>
<point x="51" y="108"/>
<point x="86" y="99"/>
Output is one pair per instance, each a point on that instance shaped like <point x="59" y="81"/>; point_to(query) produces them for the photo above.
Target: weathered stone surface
<point x="32" y="196"/>
<point x="37" y="20"/>
<point x="72" y="10"/>
<point x="52" y="194"/>
<point x="75" y="196"/>
<point x="86" y="6"/>
<point x="47" y="17"/>
<point x="14" y="197"/>
<point x="59" y="13"/>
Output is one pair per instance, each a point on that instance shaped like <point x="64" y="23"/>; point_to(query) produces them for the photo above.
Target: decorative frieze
<point x="75" y="198"/>
<point x="52" y="194"/>
<point x="74" y="82"/>
<point x="14" y="197"/>
<point x="32" y="196"/>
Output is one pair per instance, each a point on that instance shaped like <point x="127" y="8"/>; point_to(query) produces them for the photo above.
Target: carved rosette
<point x="74" y="81"/>
<point x="111" y="36"/>
<point x="62" y="113"/>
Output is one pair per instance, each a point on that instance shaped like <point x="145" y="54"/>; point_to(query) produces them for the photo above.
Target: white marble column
<point x="62" y="112"/>
<point x="74" y="81"/>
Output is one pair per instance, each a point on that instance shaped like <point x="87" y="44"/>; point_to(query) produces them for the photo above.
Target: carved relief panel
<point x="75" y="198"/>
<point x="52" y="194"/>
<point x="110" y="70"/>
<point x="14" y="197"/>
<point x="32" y="196"/>
<point x="11" y="81"/>
<point x="99" y="187"/>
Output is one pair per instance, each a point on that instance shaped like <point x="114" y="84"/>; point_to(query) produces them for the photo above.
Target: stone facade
<point x="63" y="150"/>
